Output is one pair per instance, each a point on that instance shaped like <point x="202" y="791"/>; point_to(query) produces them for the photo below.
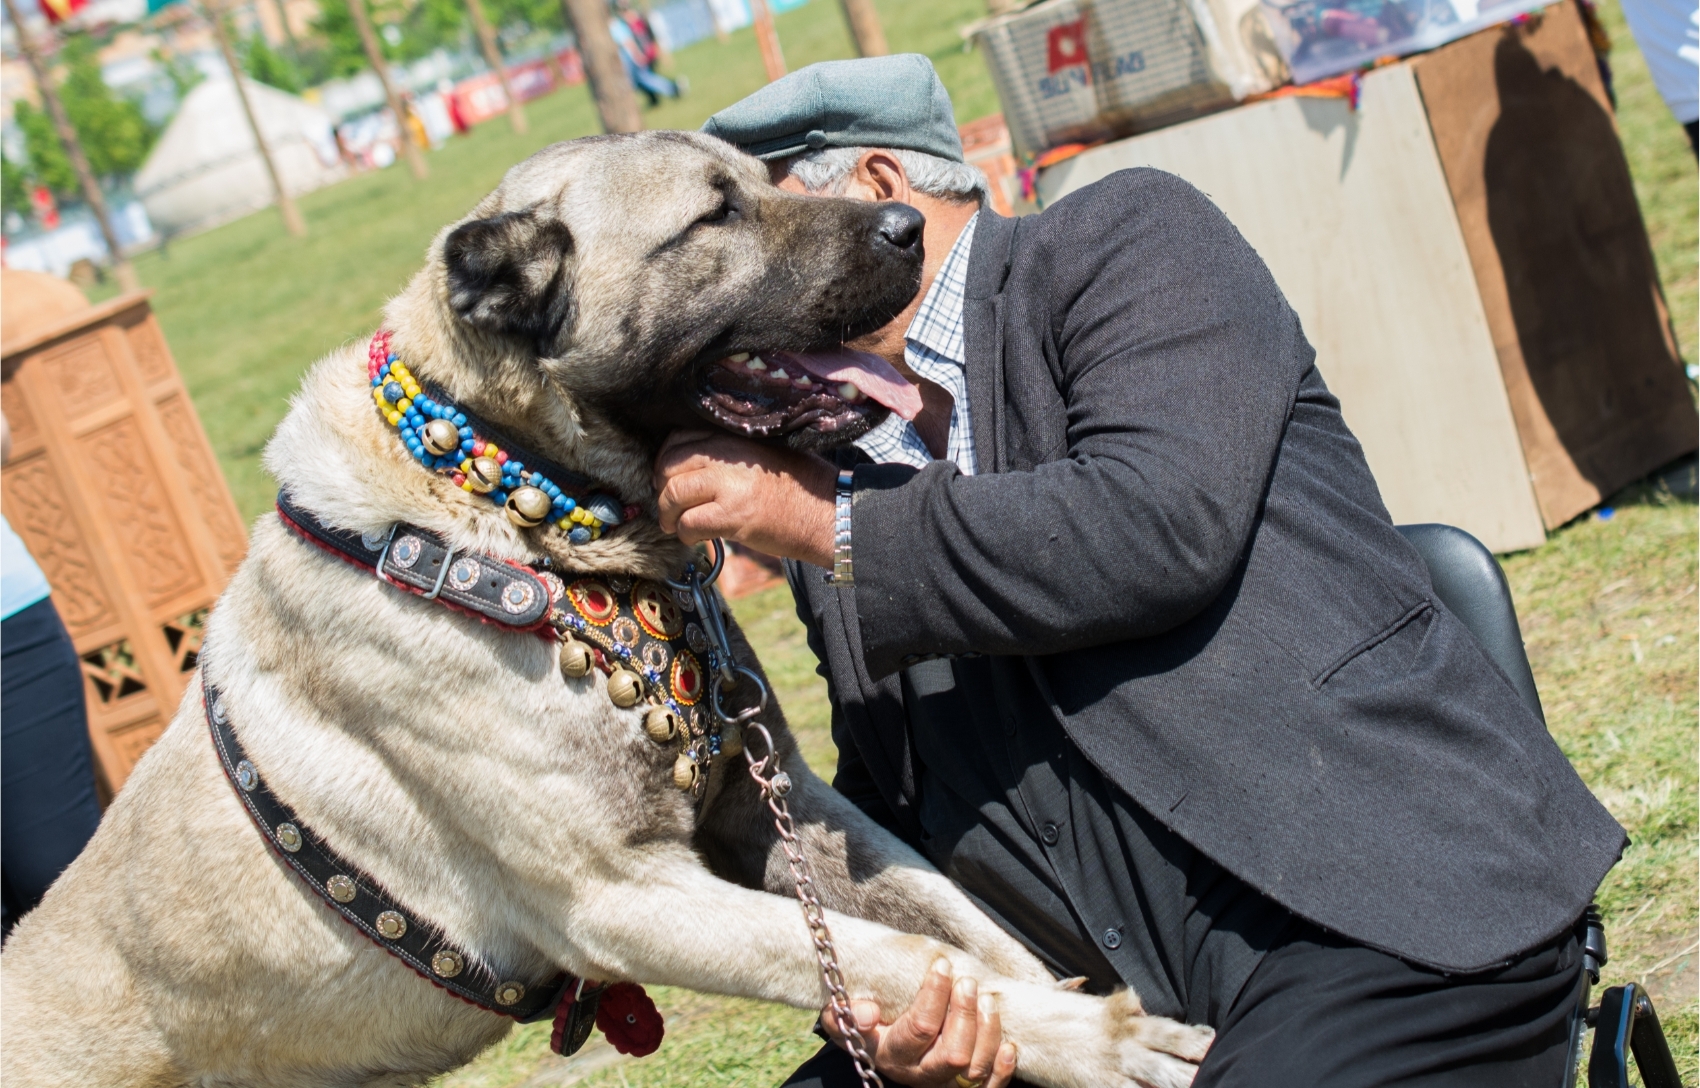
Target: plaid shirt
<point x="933" y="348"/>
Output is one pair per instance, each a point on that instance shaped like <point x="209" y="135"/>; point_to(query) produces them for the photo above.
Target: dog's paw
<point x="1154" y="1052"/>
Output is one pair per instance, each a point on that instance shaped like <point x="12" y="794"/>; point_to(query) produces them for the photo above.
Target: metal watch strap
<point x="843" y="573"/>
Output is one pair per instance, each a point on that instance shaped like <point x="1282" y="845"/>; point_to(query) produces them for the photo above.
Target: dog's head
<point x="661" y="281"/>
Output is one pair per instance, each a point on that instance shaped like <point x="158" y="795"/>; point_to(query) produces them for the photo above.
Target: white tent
<point x="205" y="169"/>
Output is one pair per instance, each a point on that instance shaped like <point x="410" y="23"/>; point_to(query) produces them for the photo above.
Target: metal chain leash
<point x="775" y="784"/>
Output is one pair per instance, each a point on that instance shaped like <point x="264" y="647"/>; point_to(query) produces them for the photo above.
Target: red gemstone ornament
<point x="630" y="1019"/>
<point x="687" y="678"/>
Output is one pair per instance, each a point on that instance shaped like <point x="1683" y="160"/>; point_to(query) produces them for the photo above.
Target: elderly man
<point x="1119" y="634"/>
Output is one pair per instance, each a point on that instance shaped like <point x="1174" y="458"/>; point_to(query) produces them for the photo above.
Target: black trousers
<point x="1320" y="1012"/>
<point x="48" y="808"/>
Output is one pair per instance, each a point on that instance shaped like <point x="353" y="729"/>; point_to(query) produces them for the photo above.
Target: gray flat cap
<point x="895" y="102"/>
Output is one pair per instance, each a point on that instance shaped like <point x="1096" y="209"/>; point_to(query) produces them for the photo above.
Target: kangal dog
<point x="604" y="294"/>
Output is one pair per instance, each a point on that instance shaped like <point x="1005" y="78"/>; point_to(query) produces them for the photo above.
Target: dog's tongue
<point x="869" y="373"/>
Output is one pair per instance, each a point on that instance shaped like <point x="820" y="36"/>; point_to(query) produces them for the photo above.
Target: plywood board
<point x="1543" y="194"/>
<point x="1352" y="213"/>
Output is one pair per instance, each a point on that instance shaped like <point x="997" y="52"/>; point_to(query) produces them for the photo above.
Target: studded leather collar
<point x="362" y="901"/>
<point x="416" y="560"/>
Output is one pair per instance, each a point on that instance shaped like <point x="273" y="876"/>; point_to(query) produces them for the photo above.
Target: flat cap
<point x="895" y="102"/>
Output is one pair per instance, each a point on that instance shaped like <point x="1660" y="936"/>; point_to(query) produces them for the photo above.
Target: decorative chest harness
<point x="664" y="645"/>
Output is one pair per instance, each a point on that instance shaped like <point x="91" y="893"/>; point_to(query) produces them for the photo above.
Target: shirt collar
<point x="938" y="322"/>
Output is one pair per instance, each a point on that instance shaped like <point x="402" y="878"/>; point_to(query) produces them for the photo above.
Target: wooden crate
<point x="113" y="487"/>
<point x="1466" y="254"/>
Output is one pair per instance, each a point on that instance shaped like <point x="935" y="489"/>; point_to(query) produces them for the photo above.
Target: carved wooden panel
<point x="83" y="377"/>
<point x="156" y="549"/>
<point x="36" y="508"/>
<point x="148" y="346"/>
<point x="212" y="499"/>
<point x="116" y="493"/>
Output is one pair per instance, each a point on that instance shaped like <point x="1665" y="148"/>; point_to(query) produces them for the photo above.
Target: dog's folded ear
<point x="508" y="275"/>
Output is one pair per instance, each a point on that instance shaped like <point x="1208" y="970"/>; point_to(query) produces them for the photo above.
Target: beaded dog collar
<point x="445" y="439"/>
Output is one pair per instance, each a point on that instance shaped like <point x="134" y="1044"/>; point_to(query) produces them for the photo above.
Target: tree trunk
<point x="375" y="56"/>
<point x="121" y="269"/>
<point x="493" y="57"/>
<point x="767" y="37"/>
<point x="292" y="220"/>
<point x="616" y="101"/>
<point x="865" y="27"/>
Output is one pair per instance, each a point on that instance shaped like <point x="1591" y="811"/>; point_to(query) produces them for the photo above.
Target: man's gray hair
<point x="827" y="172"/>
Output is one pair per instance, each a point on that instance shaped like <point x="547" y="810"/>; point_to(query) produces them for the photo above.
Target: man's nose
<point x="900" y="226"/>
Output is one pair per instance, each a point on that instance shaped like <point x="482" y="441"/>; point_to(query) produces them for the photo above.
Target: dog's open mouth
<point x="770" y="393"/>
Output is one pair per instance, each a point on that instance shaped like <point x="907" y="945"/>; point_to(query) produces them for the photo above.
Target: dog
<point x="610" y="290"/>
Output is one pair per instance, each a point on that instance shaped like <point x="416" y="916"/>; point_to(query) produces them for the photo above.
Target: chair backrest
<point x="1468" y="581"/>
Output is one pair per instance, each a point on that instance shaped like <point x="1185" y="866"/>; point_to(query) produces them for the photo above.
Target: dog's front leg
<point x="671" y="922"/>
<point x="859" y="867"/>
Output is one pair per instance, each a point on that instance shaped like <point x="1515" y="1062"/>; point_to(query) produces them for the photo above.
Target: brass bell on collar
<point x="484" y="474"/>
<point x="686" y="772"/>
<point x="731" y="740"/>
<point x="441" y="436"/>
<point x="528" y="506"/>
<point x="661" y="724"/>
<point x="625" y="688"/>
<point x="577" y="659"/>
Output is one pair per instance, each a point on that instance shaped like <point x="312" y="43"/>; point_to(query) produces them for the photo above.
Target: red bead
<point x="502" y="456"/>
<point x="459" y="478"/>
<point x="478" y="447"/>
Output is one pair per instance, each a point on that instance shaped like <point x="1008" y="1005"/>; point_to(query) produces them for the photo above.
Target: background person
<point x="1123" y="639"/>
<point x="48" y="808"/>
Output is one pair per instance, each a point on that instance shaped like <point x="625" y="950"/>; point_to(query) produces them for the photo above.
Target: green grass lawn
<point x="1608" y="606"/>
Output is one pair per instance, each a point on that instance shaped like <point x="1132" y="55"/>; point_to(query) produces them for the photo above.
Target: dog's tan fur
<point x="523" y="814"/>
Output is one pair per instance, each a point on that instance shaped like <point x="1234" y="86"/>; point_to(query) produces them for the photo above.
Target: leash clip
<point x="384" y="553"/>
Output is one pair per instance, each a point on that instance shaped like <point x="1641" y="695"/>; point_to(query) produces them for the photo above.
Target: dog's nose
<point x="900" y="225"/>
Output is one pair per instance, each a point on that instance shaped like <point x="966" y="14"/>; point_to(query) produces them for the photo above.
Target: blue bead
<point x="569" y="503"/>
<point x="499" y="497"/>
<point x="460" y="421"/>
<point x="465" y="431"/>
<point x="516" y="466"/>
<point x="393" y="357"/>
<point x="393" y="392"/>
<point x="466" y="447"/>
<point x="579" y="535"/>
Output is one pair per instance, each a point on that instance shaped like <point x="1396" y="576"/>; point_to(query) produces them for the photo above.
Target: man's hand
<point x="948" y="1038"/>
<point x="774" y="499"/>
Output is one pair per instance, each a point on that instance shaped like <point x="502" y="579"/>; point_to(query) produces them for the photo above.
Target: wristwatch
<point x="843" y="573"/>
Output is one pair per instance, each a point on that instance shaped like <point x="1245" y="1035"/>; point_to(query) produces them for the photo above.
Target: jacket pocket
<point x="1382" y="658"/>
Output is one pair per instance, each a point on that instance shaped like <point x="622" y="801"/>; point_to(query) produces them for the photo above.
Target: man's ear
<point x="508" y="275"/>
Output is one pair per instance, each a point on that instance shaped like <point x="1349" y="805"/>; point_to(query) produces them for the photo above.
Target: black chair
<point x="1468" y="581"/>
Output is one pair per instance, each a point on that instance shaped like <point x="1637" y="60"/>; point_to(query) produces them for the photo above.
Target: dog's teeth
<point x="754" y="364"/>
<point x="780" y="375"/>
<point x="803" y="382"/>
<point x="849" y="392"/>
<point x="738" y="358"/>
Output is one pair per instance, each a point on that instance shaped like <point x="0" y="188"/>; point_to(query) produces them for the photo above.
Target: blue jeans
<point x="48" y="808"/>
<point x="653" y="84"/>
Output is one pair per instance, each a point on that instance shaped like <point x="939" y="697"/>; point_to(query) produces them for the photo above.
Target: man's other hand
<point x="774" y="499"/>
<point x="949" y="1037"/>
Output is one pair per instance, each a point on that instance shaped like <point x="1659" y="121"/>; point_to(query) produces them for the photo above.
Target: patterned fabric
<point x="933" y="348"/>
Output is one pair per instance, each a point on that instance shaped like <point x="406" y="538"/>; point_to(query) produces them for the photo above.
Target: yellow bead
<point x="394" y="418"/>
<point x="403" y="404"/>
<point x="564" y="523"/>
<point x="466" y="487"/>
<point x="596" y="534"/>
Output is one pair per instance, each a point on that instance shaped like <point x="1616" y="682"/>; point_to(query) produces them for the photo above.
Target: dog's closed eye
<point x="725" y="212"/>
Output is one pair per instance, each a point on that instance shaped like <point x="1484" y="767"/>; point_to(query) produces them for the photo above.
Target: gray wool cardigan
<point x="1176" y="540"/>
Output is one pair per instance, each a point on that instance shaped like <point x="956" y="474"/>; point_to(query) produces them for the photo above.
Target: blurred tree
<point x="14" y="187"/>
<point x="112" y="129"/>
<point x="183" y="75"/>
<point x="407" y="30"/>
<point x="265" y="65"/>
<point x="542" y="15"/>
<point x="46" y="163"/>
